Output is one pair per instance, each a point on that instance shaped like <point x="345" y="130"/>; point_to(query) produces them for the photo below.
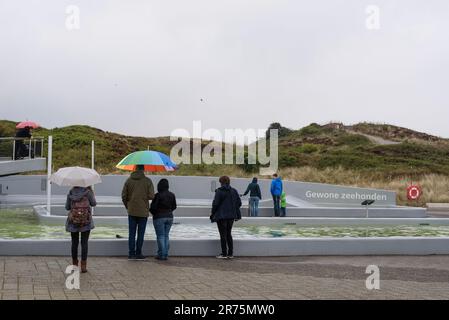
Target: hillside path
<point x="374" y="139"/>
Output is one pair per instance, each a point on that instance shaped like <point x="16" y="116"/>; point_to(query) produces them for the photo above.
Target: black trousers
<point x="225" y="229"/>
<point x="75" y="243"/>
<point x="19" y="149"/>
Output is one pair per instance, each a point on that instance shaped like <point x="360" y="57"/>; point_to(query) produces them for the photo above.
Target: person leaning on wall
<point x="137" y="191"/>
<point x="162" y="207"/>
<point x="254" y="197"/>
<point x="276" y="192"/>
<point x="225" y="210"/>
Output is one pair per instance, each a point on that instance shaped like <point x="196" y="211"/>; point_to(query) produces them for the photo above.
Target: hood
<point x="77" y="193"/>
<point x="162" y="185"/>
<point x="254" y="180"/>
<point x="277" y="179"/>
<point x="226" y="187"/>
<point x="137" y="175"/>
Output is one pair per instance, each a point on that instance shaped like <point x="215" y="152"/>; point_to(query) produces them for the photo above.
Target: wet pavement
<point x="330" y="277"/>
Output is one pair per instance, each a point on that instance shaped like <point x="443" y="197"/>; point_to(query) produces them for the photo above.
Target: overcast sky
<point x="142" y="67"/>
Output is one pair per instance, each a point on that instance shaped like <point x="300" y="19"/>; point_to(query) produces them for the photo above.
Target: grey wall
<point x="243" y="247"/>
<point x="188" y="187"/>
<point x="24" y="165"/>
<point x="204" y="211"/>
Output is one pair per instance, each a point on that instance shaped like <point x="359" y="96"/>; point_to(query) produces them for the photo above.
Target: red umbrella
<point x="25" y="124"/>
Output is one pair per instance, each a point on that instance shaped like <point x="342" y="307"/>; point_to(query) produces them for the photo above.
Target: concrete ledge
<point x="331" y="212"/>
<point x="438" y="207"/>
<point x="24" y="165"/>
<point x="243" y="247"/>
<point x="41" y="213"/>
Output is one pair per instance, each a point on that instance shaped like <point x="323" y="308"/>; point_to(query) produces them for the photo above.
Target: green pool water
<point x="350" y="231"/>
<point x="23" y="224"/>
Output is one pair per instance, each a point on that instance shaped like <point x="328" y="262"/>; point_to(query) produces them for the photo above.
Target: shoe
<point x="230" y="257"/>
<point x="131" y="257"/>
<point x="160" y="258"/>
<point x="75" y="262"/>
<point x="221" y="256"/>
<point x="83" y="266"/>
<point x="140" y="257"/>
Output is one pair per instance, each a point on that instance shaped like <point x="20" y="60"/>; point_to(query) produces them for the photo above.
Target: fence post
<point x="49" y="165"/>
<point x="13" y="149"/>
<point x="93" y="154"/>
<point x="93" y="167"/>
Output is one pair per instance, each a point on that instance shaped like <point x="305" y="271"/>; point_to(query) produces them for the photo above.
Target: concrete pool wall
<point x="243" y="247"/>
<point x="303" y="199"/>
<point x="192" y="187"/>
<point x="114" y="210"/>
<point x="41" y="213"/>
<point x="308" y="204"/>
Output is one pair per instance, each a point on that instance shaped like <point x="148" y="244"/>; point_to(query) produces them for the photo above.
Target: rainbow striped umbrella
<point x="153" y="161"/>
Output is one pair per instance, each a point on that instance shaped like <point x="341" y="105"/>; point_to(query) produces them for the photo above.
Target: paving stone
<point x="402" y="277"/>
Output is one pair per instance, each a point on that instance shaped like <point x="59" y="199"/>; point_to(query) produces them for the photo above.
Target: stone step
<point x="438" y="207"/>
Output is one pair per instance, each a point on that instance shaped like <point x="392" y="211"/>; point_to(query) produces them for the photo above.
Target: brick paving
<point x="401" y="277"/>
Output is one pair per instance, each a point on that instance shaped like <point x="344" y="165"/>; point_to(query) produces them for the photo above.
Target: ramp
<point x="18" y="166"/>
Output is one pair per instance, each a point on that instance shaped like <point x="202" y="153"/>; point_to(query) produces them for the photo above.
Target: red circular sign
<point x="413" y="192"/>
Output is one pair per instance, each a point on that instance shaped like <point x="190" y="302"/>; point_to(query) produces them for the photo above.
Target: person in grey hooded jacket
<point x="254" y="197"/>
<point x="77" y="195"/>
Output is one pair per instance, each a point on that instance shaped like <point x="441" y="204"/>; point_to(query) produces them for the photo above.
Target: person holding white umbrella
<point x="79" y="203"/>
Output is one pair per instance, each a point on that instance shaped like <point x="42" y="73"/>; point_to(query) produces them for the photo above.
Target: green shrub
<point x="308" y="148"/>
<point x="312" y="129"/>
<point x="352" y="140"/>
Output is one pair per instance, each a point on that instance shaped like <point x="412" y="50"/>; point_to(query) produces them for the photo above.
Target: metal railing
<point x="15" y="148"/>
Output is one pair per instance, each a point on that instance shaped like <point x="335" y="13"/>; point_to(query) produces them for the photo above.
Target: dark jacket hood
<point x="254" y="180"/>
<point x="138" y="175"/>
<point x="226" y="187"/>
<point x="162" y="185"/>
<point x="226" y="204"/>
<point x="77" y="193"/>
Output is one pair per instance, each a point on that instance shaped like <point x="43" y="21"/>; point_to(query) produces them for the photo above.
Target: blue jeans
<point x="253" y="206"/>
<point x="162" y="227"/>
<point x="136" y="224"/>
<point x="277" y="205"/>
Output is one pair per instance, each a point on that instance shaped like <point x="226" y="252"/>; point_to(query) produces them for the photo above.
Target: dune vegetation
<point x="365" y="155"/>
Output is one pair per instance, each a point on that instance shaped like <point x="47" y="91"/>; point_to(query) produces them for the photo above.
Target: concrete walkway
<point x="401" y="277"/>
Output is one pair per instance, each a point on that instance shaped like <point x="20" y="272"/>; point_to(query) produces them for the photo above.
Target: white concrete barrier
<point x="242" y="247"/>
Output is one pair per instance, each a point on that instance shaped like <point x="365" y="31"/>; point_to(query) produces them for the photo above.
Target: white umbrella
<point x="75" y="177"/>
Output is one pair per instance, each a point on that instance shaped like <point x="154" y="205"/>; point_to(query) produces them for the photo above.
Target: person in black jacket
<point x="162" y="207"/>
<point x="254" y="197"/>
<point x="22" y="149"/>
<point x="226" y="210"/>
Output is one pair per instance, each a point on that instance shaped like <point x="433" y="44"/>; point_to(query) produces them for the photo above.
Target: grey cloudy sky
<point x="141" y="67"/>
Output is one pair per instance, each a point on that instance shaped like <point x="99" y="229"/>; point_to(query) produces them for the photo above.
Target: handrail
<point x="35" y="146"/>
<point x="22" y="138"/>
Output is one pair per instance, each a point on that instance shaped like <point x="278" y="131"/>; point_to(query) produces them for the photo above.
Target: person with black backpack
<point x="79" y="221"/>
<point x="226" y="210"/>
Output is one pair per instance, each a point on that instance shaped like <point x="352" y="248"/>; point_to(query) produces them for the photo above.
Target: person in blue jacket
<point x="276" y="191"/>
